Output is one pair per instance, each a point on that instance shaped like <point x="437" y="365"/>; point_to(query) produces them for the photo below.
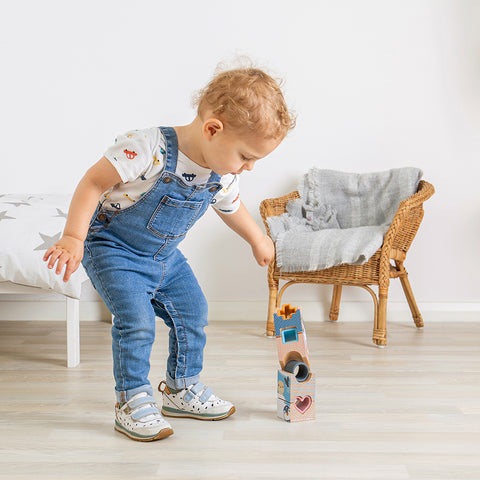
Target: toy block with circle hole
<point x="295" y="398"/>
<point x="295" y="382"/>
<point x="290" y="336"/>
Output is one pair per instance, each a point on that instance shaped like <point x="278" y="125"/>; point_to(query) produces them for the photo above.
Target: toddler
<point x="127" y="217"/>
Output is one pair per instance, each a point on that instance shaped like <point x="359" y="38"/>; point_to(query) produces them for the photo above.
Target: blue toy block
<point x="287" y="318"/>
<point x="289" y="335"/>
<point x="283" y="385"/>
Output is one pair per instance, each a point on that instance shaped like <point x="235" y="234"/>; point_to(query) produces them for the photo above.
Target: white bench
<point x="29" y="224"/>
<point x="72" y="317"/>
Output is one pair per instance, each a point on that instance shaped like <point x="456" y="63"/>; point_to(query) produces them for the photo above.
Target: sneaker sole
<point x="173" y="412"/>
<point x="165" y="432"/>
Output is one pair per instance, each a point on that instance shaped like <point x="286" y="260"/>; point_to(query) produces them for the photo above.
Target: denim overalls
<point x="132" y="259"/>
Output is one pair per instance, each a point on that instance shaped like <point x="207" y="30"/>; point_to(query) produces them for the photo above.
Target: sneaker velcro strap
<point x="143" y="412"/>
<point x="141" y="401"/>
<point x="206" y="394"/>
<point x="188" y="396"/>
<point x="197" y="388"/>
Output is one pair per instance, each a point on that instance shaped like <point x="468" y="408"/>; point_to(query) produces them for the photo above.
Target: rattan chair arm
<point x="424" y="192"/>
<point x="272" y="207"/>
<point x="389" y="249"/>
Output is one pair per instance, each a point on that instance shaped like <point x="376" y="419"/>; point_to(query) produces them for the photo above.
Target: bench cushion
<point x="29" y="225"/>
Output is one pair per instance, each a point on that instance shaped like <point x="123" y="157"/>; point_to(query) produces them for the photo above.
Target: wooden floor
<point x="410" y="411"/>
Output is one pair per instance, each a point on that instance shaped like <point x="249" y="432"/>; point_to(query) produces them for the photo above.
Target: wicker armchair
<point x="377" y="271"/>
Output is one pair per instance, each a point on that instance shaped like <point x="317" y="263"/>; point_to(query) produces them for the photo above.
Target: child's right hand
<point x="264" y="251"/>
<point x="67" y="251"/>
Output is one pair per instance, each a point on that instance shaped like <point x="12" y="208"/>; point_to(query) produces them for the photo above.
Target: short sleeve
<point x="131" y="155"/>
<point x="227" y="200"/>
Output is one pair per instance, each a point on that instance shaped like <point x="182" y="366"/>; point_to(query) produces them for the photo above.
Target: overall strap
<point x="214" y="177"/>
<point x="171" y="149"/>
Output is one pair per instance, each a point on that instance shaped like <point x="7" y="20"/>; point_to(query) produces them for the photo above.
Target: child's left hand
<point x="264" y="251"/>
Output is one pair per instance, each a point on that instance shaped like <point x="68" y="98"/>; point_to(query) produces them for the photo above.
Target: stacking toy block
<point x="295" y="400"/>
<point x="296" y="384"/>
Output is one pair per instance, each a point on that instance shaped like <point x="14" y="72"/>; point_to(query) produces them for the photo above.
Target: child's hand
<point x="264" y="251"/>
<point x="68" y="251"/>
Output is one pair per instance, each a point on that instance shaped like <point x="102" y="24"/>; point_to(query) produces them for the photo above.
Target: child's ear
<point x="211" y="127"/>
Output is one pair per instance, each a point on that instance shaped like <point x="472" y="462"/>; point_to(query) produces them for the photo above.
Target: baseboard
<point x="350" y="311"/>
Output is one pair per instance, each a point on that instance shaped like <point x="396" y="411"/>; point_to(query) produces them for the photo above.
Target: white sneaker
<point x="196" y="401"/>
<point x="140" y="419"/>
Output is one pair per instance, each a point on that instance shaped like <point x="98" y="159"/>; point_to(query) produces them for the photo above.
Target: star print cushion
<point x="29" y="225"/>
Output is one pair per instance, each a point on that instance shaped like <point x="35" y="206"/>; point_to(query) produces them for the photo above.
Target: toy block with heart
<point x="296" y="384"/>
<point x="295" y="399"/>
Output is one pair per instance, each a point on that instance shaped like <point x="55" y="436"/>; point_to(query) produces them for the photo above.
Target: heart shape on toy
<point x="302" y="404"/>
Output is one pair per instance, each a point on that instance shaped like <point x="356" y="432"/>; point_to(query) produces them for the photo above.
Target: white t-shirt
<point x="138" y="157"/>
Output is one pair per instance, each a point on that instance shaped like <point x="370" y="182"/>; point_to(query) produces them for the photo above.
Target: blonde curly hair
<point x="246" y="100"/>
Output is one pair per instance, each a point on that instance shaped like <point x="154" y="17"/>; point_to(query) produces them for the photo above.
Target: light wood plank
<point x="410" y="411"/>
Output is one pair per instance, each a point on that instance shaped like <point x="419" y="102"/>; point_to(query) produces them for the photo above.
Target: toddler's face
<point x="231" y="153"/>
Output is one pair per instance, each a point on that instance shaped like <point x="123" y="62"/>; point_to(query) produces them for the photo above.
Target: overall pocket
<point x="172" y="218"/>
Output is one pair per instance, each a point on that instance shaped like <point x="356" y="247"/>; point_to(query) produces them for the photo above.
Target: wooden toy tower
<point x="296" y="384"/>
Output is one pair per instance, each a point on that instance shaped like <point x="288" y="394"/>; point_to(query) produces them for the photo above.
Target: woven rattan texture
<point x="385" y="264"/>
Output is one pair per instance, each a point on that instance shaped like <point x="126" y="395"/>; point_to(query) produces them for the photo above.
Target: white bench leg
<point x="73" y="332"/>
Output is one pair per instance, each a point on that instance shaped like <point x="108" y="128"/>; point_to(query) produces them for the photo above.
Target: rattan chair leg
<point x="335" y="307"/>
<point x="380" y="329"/>
<point x="407" y="289"/>
<point x="272" y="306"/>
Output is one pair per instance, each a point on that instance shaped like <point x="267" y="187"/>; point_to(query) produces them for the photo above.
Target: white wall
<point x="376" y="85"/>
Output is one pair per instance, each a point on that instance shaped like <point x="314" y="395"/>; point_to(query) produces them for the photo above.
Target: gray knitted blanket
<point x="339" y="218"/>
